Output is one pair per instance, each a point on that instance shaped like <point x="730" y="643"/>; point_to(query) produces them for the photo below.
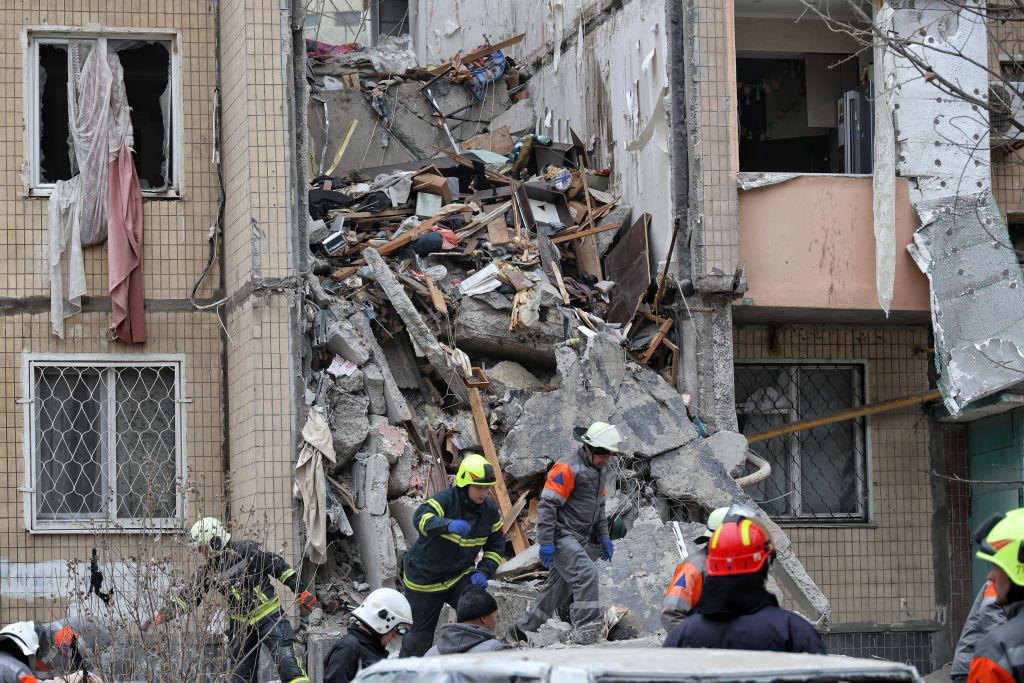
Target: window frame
<point x="866" y="518"/>
<point x="33" y="36"/>
<point x="108" y="524"/>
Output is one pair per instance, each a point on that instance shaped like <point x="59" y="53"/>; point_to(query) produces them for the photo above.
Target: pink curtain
<point x="124" y="245"/>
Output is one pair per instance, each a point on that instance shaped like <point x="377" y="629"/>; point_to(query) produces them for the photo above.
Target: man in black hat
<point x="477" y="613"/>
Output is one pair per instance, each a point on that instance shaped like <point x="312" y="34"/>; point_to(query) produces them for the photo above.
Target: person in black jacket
<point x="242" y="571"/>
<point x="383" y="616"/>
<point x="454" y="525"/>
<point x="736" y="611"/>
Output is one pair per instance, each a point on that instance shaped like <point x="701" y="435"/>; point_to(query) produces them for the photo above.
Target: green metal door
<point x="995" y="446"/>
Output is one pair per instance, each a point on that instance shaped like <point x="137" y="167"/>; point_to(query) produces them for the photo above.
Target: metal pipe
<point x="764" y="470"/>
<point x="848" y="414"/>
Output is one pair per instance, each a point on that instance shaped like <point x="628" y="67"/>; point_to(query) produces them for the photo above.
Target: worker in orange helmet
<point x="736" y="611"/>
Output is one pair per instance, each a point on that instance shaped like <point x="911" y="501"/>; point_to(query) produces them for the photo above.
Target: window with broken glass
<point x="58" y="92"/>
<point x="818" y="474"/>
<point x="104" y="445"/>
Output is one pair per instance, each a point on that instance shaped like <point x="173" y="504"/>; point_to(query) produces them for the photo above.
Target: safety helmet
<point x="23" y="634"/>
<point x="383" y="610"/>
<point x="741" y="545"/>
<point x="476" y="470"/>
<point x="209" y="532"/>
<point x="715" y="520"/>
<point x="1001" y="542"/>
<point x="600" y="435"/>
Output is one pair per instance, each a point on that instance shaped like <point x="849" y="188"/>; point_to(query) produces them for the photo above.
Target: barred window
<point x="818" y="474"/>
<point x="104" y="444"/>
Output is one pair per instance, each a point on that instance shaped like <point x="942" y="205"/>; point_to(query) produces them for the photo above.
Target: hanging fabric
<point x="67" y="265"/>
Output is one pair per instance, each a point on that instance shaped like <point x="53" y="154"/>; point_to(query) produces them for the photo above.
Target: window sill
<point x="807" y="524"/>
<point x="45" y="192"/>
<point x="107" y="528"/>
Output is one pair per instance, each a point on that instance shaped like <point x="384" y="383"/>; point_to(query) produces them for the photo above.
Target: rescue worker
<point x="62" y="648"/>
<point x="999" y="654"/>
<point x="683" y="591"/>
<point x="241" y="571"/>
<point x="454" y="525"/>
<point x="571" y="514"/>
<point x="735" y="611"/>
<point x="19" y="644"/>
<point x="382" y="619"/>
<point x="985" y="615"/>
<point x="477" y="616"/>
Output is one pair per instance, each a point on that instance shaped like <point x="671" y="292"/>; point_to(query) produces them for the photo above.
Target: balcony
<point x="808" y="248"/>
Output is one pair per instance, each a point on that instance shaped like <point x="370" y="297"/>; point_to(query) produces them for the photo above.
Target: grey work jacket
<point x="572" y="502"/>
<point x="13" y="670"/>
<point x="984" y="616"/>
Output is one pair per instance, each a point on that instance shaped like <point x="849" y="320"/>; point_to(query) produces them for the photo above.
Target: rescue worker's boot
<point x="515" y="635"/>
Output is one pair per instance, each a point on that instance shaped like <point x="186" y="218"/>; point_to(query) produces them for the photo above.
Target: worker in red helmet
<point x="736" y="611"/>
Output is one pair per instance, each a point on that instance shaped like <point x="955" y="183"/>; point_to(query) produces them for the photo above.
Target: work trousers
<point x="273" y="631"/>
<point x="426" y="610"/>
<point x="572" y="573"/>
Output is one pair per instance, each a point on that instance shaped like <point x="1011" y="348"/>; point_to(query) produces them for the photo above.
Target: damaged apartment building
<point x="321" y="248"/>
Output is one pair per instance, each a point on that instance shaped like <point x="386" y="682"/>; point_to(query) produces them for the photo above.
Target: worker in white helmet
<point x="242" y="572"/>
<point x="571" y="514"/>
<point x="378" y="625"/>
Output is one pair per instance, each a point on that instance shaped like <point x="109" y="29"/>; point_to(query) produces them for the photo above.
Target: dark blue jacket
<point x="440" y="559"/>
<point x="769" y="628"/>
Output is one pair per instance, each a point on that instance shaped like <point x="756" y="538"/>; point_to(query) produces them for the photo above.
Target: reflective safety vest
<point x="683" y="591"/>
<point x="241" y="573"/>
<point x="439" y="559"/>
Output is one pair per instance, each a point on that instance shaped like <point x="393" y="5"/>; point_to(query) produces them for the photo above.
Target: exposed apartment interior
<point x="803" y="91"/>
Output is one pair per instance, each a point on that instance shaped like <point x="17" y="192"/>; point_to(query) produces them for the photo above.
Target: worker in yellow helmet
<point x="454" y="525"/>
<point x="999" y="655"/>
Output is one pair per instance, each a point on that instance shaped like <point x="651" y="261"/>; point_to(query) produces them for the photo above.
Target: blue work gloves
<point x="459" y="527"/>
<point x="547" y="555"/>
<point x="479" y="580"/>
<point x="607" y="549"/>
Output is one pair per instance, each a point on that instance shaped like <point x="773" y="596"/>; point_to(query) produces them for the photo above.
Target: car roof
<point x="635" y="662"/>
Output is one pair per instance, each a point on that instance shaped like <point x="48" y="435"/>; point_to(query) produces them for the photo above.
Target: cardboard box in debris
<point x="494" y="293"/>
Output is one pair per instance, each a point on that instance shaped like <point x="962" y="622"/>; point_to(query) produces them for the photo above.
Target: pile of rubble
<point x="498" y="295"/>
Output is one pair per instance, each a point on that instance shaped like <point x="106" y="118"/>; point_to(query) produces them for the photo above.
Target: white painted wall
<point x="607" y="86"/>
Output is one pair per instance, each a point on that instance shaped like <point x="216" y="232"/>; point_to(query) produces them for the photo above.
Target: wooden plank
<point x="587" y="257"/>
<point x="584" y="233"/>
<point x="393" y="245"/>
<point x="497" y="231"/>
<point x="436" y="297"/>
<point x="483" y="430"/>
<point x="513" y="515"/>
<point x="663" y="329"/>
<point x="479" y="54"/>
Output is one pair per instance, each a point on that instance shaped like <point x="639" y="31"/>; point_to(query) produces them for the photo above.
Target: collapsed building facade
<point x="317" y="356"/>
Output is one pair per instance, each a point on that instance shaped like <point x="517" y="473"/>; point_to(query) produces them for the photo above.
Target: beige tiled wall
<point x="174" y="254"/>
<point x="260" y="372"/>
<point x="1006" y="38"/>
<point x="881" y="572"/>
<point x="715" y="70"/>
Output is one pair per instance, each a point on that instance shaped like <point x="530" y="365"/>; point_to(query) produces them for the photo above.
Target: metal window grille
<point x="104" y="446"/>
<point x="819" y="474"/>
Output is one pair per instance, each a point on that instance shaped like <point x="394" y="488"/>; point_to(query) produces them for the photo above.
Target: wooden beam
<point x="483" y="430"/>
<point x="517" y="510"/>
<point x="848" y="414"/>
<point x="583" y="233"/>
<point x="479" y="54"/>
<point x="663" y="329"/>
<point x="436" y="297"/>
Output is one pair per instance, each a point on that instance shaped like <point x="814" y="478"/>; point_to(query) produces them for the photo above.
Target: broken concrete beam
<point x="642" y="567"/>
<point x="349" y="424"/>
<point x="373" y="385"/>
<point x="692" y="474"/>
<point x="341" y="338"/>
<point x="528" y="560"/>
<point x="370" y="478"/>
<point x="376" y="543"/>
<point x="509" y="375"/>
<point x="518" y="119"/>
<point x="597" y="383"/>
<point x="397" y="407"/>
<point x="350" y="384"/>
<point x="415" y="325"/>
<point x="393" y="444"/>
<point x="730" y="448"/>
<point x="622" y="215"/>
<point x="483" y="329"/>
<point x="403" y="511"/>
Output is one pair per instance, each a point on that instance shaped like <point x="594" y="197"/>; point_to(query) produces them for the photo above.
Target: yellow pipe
<point x="848" y="414"/>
